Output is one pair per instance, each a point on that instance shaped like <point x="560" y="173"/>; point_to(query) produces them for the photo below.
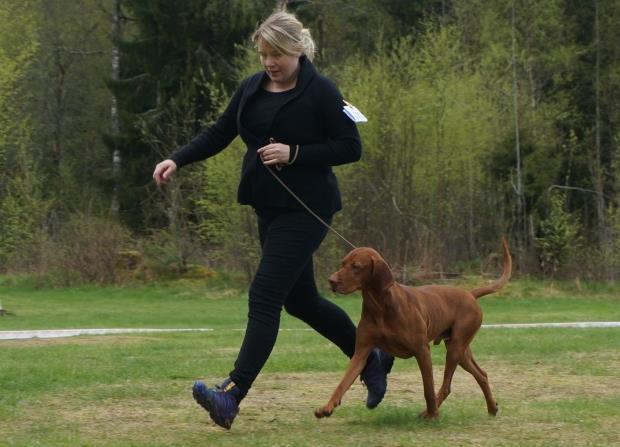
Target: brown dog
<point x="403" y="320"/>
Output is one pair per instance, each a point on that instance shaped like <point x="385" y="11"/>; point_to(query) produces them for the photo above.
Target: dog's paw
<point x="427" y="415"/>
<point x="324" y="412"/>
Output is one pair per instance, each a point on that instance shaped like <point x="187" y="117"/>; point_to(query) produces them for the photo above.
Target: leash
<point x="307" y="208"/>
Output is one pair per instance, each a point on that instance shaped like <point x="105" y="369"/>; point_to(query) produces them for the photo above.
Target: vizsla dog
<point x="403" y="320"/>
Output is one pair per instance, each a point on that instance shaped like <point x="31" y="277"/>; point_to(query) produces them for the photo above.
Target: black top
<point x="261" y="110"/>
<point x="311" y="117"/>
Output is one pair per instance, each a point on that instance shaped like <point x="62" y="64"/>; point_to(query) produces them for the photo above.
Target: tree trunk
<point x="521" y="232"/>
<point x="597" y="171"/>
<point x="471" y="217"/>
<point x="114" y="120"/>
<point x="59" y="96"/>
<point x="597" y="165"/>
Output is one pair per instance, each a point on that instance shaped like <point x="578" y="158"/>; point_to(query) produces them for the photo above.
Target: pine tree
<point x="175" y="52"/>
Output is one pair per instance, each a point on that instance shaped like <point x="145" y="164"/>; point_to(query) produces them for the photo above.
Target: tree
<point x="416" y="194"/>
<point x="342" y="27"/>
<point x="21" y="206"/>
<point x="69" y="102"/>
<point x="173" y="50"/>
<point x="117" y="33"/>
<point x="559" y="241"/>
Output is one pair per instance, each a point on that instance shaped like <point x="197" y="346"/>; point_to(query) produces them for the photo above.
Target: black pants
<point x="285" y="278"/>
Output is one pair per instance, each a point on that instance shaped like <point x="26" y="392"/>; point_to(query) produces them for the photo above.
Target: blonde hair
<point x="284" y="32"/>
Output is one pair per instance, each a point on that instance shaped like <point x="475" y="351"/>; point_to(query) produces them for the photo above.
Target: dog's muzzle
<point x="333" y="283"/>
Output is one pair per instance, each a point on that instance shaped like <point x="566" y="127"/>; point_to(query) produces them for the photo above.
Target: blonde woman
<point x="291" y="119"/>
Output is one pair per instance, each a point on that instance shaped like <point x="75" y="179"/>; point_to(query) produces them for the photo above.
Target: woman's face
<point x="281" y="68"/>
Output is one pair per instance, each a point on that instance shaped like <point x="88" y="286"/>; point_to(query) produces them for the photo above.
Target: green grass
<point x="554" y="386"/>
<point x="191" y="304"/>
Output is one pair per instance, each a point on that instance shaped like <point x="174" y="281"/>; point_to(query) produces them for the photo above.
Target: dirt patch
<point x="280" y="408"/>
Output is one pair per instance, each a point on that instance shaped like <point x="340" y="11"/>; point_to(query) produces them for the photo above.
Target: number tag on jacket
<point x="353" y="113"/>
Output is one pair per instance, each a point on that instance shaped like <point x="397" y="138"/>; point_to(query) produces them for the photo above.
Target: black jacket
<point x="312" y="118"/>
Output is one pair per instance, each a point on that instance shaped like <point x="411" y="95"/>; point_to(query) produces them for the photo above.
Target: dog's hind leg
<point x="469" y="364"/>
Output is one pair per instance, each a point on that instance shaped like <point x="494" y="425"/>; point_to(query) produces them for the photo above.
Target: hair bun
<point x="308" y="43"/>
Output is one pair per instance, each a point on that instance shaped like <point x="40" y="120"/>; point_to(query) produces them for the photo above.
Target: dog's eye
<point x="356" y="267"/>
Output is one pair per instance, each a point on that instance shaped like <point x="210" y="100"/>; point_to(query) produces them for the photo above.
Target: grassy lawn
<point x="554" y="386"/>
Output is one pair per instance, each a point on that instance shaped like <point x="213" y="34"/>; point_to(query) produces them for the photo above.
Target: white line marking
<point x="59" y="333"/>
<point x="579" y="325"/>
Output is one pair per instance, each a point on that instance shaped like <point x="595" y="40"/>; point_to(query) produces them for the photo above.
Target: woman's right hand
<point x="163" y="172"/>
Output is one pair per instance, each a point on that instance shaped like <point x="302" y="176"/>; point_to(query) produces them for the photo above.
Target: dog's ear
<point x="381" y="277"/>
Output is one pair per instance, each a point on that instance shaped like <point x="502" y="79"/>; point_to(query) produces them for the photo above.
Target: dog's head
<point x="362" y="268"/>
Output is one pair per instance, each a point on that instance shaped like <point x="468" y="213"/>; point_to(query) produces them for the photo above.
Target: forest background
<point x="485" y="118"/>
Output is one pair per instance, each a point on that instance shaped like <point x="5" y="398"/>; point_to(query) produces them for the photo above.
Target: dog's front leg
<point x="425" y="364"/>
<point x="356" y="365"/>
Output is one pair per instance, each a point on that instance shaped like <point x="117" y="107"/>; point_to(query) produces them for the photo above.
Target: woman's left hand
<point x="275" y="154"/>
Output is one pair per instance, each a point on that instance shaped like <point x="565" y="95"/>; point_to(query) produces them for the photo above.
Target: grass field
<point x="554" y="386"/>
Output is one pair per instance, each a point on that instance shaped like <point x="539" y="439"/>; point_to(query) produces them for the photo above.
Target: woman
<point x="291" y="119"/>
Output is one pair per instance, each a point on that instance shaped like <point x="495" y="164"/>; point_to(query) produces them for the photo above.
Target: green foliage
<point x="21" y="206"/>
<point x="227" y="228"/>
<point x="22" y="210"/>
<point x="614" y="249"/>
<point x="436" y="185"/>
<point x="559" y="240"/>
<point x="168" y="254"/>
<point x="430" y="123"/>
<point x="174" y="55"/>
<point x="70" y="105"/>
<point x="341" y="27"/>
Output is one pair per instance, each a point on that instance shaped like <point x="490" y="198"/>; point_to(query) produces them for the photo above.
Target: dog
<point x="403" y="321"/>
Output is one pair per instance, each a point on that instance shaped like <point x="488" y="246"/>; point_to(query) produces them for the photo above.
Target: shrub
<point x="86" y="251"/>
<point x="559" y="240"/>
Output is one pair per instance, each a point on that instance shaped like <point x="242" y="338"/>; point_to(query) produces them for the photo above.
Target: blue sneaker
<point x="221" y="402"/>
<point x="374" y="376"/>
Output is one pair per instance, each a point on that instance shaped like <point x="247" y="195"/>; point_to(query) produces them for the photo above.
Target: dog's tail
<point x="501" y="282"/>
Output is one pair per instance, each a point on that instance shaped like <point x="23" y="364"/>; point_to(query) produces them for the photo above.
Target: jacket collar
<point x="306" y="73"/>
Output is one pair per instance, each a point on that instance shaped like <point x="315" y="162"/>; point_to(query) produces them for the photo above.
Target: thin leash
<point x="301" y="202"/>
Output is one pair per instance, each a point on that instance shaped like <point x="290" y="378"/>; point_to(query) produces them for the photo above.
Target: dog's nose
<point x="333" y="282"/>
<point x="333" y="285"/>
